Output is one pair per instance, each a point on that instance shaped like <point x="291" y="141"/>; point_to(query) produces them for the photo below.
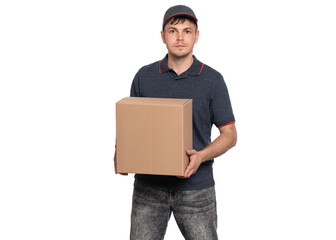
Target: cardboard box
<point x="153" y="135"/>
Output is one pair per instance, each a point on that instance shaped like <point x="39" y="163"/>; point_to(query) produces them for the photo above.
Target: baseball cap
<point x="179" y="10"/>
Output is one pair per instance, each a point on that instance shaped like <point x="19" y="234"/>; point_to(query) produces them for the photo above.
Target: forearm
<point x="225" y="141"/>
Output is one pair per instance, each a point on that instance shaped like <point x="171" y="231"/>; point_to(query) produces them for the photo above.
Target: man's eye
<point x="172" y="31"/>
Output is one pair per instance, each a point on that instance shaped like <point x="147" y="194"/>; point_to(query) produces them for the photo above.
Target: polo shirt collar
<point x="194" y="70"/>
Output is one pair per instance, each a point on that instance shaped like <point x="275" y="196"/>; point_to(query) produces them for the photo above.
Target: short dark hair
<point x="177" y="20"/>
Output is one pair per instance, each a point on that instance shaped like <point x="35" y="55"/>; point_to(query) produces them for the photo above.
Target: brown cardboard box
<point x="153" y="135"/>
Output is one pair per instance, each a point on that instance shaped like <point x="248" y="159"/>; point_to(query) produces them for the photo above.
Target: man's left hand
<point x="195" y="161"/>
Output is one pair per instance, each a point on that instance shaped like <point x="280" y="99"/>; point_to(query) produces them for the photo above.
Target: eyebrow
<point x="174" y="28"/>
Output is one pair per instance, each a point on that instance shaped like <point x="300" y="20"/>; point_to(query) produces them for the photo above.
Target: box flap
<point x="153" y="101"/>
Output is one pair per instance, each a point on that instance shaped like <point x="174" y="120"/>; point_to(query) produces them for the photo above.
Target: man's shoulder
<point x="211" y="75"/>
<point x="209" y="71"/>
<point x="149" y="68"/>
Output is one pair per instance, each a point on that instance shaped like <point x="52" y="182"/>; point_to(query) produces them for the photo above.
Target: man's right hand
<point x="115" y="162"/>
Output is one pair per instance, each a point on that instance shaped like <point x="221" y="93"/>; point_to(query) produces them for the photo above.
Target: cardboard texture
<point x="153" y="135"/>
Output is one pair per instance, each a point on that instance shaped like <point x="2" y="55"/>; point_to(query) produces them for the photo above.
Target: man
<point x="180" y="75"/>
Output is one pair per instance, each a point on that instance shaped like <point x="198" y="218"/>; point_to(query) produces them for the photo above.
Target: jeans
<point x="194" y="211"/>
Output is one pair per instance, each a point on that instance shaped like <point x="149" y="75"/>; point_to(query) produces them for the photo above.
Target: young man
<point x="180" y="75"/>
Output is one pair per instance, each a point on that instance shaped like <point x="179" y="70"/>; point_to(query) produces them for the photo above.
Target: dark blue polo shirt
<point x="211" y="106"/>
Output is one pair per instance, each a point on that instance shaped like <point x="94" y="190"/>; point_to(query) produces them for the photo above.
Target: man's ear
<point x="163" y="37"/>
<point x="196" y="36"/>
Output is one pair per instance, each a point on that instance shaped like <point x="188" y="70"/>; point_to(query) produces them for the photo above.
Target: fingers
<point x="191" y="166"/>
<point x="191" y="169"/>
<point x="191" y="152"/>
<point x="194" y="162"/>
<point x="115" y="162"/>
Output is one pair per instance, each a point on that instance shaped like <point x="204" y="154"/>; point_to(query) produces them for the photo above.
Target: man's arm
<point x="226" y="140"/>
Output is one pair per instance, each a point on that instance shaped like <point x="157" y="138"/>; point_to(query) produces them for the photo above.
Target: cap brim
<point x="188" y="15"/>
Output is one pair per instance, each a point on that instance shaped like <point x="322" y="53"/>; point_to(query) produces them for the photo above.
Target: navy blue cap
<point x="179" y="10"/>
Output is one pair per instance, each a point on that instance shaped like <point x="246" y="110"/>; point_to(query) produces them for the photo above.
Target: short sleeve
<point x="221" y="109"/>
<point x="135" y="87"/>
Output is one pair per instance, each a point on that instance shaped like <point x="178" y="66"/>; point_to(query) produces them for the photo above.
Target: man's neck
<point x="180" y="65"/>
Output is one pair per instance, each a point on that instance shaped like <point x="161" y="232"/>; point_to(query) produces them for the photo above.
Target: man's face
<point x="180" y="38"/>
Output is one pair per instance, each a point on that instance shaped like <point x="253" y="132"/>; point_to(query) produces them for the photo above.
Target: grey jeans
<point x="194" y="211"/>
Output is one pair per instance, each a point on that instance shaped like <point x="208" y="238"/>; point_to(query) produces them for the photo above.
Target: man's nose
<point x="180" y="36"/>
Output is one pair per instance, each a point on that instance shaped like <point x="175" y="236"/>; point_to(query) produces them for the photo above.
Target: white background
<point x="64" y="64"/>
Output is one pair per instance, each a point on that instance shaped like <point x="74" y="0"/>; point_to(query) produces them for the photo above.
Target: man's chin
<point x="180" y="55"/>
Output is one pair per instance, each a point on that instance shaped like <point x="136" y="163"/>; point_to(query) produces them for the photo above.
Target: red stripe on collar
<point x="160" y="67"/>
<point x="201" y="69"/>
